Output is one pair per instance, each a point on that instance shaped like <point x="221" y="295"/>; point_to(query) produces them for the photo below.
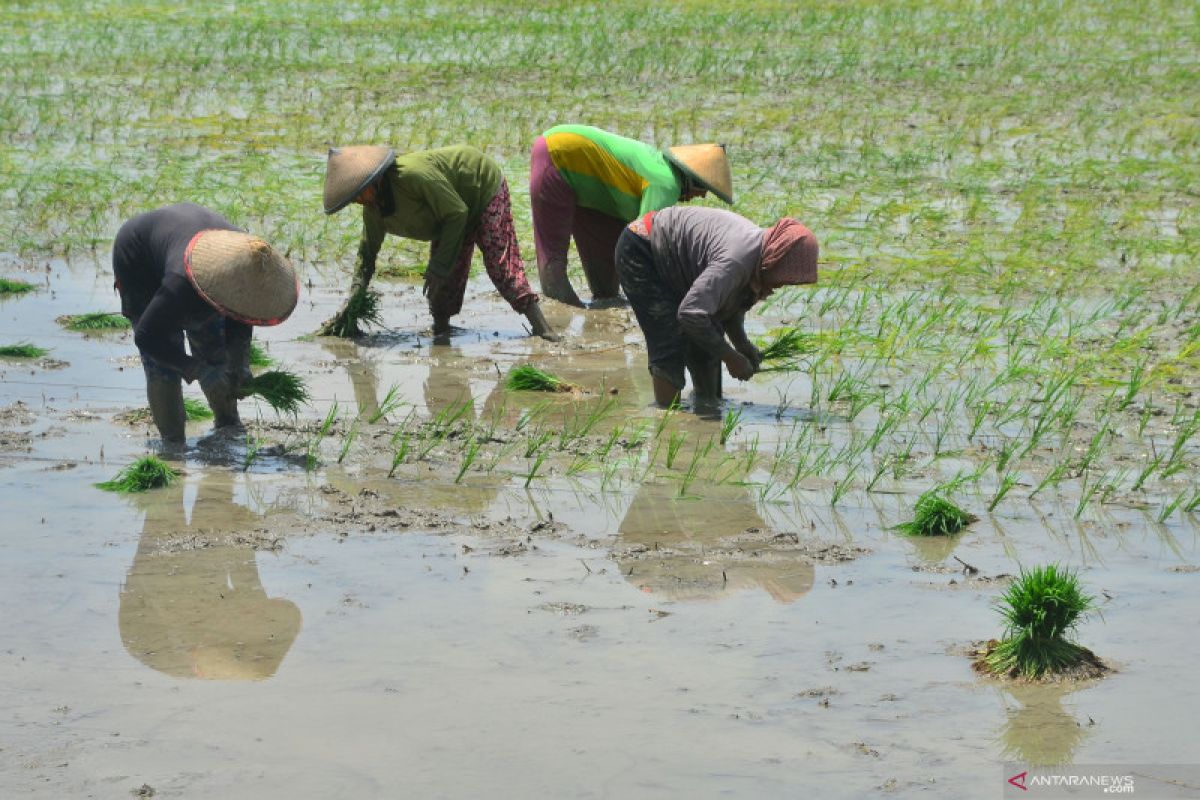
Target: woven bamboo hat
<point x="707" y="165"/>
<point x="349" y="171"/>
<point x="241" y="276"/>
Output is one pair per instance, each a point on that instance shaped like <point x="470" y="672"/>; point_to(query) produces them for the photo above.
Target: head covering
<point x="349" y="170"/>
<point x="789" y="253"/>
<point x="241" y="276"/>
<point x="706" y="164"/>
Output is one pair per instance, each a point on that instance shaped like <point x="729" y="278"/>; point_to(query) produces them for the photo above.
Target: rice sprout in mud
<point x="8" y="286"/>
<point x="259" y="357"/>
<point x="282" y="390"/>
<point x="142" y="475"/>
<point x="94" y="321"/>
<point x="528" y="378"/>
<point x="22" y="350"/>
<point x="934" y="515"/>
<point x="784" y="348"/>
<point x="196" y="410"/>
<point x="1040" y="610"/>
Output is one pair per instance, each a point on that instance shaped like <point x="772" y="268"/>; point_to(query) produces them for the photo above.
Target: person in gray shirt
<point x="690" y="275"/>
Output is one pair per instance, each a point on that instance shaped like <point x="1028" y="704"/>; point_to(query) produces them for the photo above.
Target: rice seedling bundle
<point x="140" y="476"/>
<point x="363" y="306"/>
<point x="1040" y="609"/>
<point x="22" y="350"/>
<point x="195" y="409"/>
<point x="11" y="287"/>
<point x="259" y="357"/>
<point x="784" y="348"/>
<point x="528" y="378"/>
<point x="94" y="321"/>
<point x="934" y="515"/>
<point x="282" y="390"/>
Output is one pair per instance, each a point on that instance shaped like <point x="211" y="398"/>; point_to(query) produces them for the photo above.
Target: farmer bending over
<point x="588" y="184"/>
<point x="691" y="274"/>
<point x="183" y="269"/>
<point x="454" y="197"/>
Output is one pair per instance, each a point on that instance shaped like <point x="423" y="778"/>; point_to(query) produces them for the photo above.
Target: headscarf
<point x="789" y="252"/>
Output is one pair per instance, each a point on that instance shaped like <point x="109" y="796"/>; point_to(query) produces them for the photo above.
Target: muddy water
<point x="275" y="632"/>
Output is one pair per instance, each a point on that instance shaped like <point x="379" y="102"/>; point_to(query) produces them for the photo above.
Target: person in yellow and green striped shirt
<point x="588" y="184"/>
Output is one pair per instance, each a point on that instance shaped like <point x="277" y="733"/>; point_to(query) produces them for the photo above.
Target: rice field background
<point x="1008" y="317"/>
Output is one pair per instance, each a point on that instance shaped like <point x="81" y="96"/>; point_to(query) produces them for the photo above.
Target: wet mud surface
<point x="305" y="613"/>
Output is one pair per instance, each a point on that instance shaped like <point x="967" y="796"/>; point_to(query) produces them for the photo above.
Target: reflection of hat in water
<point x="349" y="170"/>
<point x="204" y="614"/>
<point x="241" y="276"/>
<point x="706" y="164"/>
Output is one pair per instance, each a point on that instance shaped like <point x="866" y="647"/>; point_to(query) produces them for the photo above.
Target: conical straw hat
<point x="707" y="165"/>
<point x="241" y="276"/>
<point x="350" y="169"/>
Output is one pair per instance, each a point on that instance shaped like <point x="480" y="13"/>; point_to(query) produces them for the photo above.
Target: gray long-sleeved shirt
<point x="708" y="256"/>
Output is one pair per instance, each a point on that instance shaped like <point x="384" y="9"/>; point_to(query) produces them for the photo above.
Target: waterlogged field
<point x="427" y="583"/>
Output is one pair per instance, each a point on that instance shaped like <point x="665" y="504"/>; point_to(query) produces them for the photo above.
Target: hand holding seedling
<point x="739" y="366"/>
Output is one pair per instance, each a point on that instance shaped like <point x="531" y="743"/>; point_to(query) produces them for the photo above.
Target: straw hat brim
<point x="349" y="170"/>
<point x="241" y="276"/>
<point x="719" y="182"/>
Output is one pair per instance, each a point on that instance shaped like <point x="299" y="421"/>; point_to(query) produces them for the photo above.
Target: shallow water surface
<point x="264" y="630"/>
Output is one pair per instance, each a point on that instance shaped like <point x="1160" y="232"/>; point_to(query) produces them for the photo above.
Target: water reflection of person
<point x="364" y="378"/>
<point x="676" y="532"/>
<point x="1039" y="731"/>
<point x="200" y="611"/>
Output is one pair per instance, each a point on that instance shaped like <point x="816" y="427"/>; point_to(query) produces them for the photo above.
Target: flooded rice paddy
<point x="573" y="613"/>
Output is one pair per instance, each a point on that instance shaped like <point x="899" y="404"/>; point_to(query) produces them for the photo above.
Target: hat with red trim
<point x="241" y="276"/>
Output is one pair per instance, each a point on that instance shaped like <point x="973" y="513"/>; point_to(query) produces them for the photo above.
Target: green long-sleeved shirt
<point x="436" y="195"/>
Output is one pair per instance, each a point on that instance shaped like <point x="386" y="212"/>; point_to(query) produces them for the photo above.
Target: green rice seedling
<point x="402" y="443"/>
<point x="784" y="348"/>
<point x="613" y="435"/>
<point x="674" y="443"/>
<point x="348" y="442"/>
<point x="729" y="424"/>
<point x="1006" y="484"/>
<point x="391" y="401"/>
<point x="666" y="416"/>
<point x="1040" y="610"/>
<point x="22" y="350"/>
<point x="142" y="475"/>
<point x="9" y="287"/>
<point x="1169" y="507"/>
<point x="253" y="447"/>
<point x="1053" y="477"/>
<point x="536" y="440"/>
<point x="538" y="460"/>
<point x="196" y="410"/>
<point x="470" y="453"/>
<point x="935" y="515"/>
<point x="528" y="378"/>
<point x="579" y="465"/>
<point x="95" y="321"/>
<point x="284" y="391"/>
<point x="259" y="357"/>
<point x="692" y="471"/>
<point x="313" y="447"/>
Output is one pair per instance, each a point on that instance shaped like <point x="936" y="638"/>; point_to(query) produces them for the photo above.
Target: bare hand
<point x="739" y="366"/>
<point x="747" y="349"/>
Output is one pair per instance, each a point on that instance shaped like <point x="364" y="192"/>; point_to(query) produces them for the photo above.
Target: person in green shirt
<point x="589" y="184"/>
<point x="453" y="197"/>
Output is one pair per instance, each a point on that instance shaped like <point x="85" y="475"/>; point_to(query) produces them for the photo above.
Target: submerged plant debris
<point x="94" y="321"/>
<point x="142" y="475"/>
